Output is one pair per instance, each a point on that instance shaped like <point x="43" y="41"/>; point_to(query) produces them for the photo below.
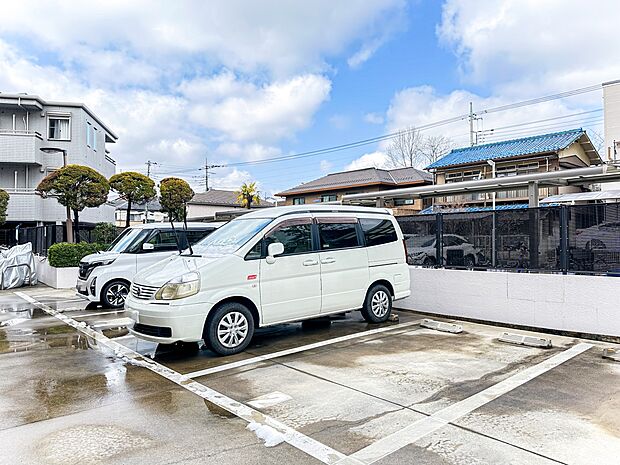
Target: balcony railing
<point x="20" y="146"/>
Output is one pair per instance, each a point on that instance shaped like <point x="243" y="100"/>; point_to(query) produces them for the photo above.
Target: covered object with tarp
<point x="17" y="266"/>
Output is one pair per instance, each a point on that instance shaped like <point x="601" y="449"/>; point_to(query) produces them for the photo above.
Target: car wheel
<point x="378" y="304"/>
<point x="428" y="261"/>
<point x="229" y="329"/>
<point x="114" y="293"/>
<point x="469" y="261"/>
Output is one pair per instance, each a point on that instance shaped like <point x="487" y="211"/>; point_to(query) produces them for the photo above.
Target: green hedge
<point x="64" y="254"/>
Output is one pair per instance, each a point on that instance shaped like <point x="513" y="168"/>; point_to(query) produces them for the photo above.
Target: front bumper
<point x="86" y="289"/>
<point x="183" y="321"/>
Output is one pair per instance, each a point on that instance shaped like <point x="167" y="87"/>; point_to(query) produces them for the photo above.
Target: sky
<point x="241" y="82"/>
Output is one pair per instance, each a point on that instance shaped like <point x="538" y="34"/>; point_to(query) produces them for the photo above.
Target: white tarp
<point x="17" y="276"/>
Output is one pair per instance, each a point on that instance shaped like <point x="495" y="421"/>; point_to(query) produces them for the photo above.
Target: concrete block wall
<point x="582" y="304"/>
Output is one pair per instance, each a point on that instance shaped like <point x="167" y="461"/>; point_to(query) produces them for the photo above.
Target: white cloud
<point x="267" y="113"/>
<point x="250" y="152"/>
<point x="282" y="37"/>
<point x="374" y="118"/>
<point x="325" y="165"/>
<point x="369" y="160"/>
<point x="529" y="46"/>
<point x="231" y="179"/>
<point x="416" y="106"/>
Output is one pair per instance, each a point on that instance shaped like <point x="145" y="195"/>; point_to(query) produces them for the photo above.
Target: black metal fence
<point x="567" y="239"/>
<point x="42" y="237"/>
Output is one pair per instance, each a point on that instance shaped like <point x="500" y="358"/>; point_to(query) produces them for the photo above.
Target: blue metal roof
<point x="509" y="148"/>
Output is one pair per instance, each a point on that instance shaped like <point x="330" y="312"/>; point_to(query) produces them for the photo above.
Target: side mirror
<point x="277" y="248"/>
<point x="147" y="246"/>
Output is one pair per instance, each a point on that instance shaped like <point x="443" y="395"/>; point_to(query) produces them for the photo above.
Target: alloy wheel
<point x="380" y="303"/>
<point x="232" y="329"/>
<point x="116" y="294"/>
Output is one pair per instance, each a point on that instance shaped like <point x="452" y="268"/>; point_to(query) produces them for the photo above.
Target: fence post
<point x="564" y="239"/>
<point x="439" y="240"/>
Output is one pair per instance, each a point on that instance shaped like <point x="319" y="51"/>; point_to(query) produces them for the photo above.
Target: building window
<point x="88" y="129"/>
<point x="94" y="141"/>
<point x="299" y="200"/>
<point x="59" y="128"/>
<point x="328" y="198"/>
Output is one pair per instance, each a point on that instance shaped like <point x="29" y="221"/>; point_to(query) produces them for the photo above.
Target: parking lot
<point x="76" y="388"/>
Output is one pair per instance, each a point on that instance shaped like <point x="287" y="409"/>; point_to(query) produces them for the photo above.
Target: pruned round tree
<point x="174" y="195"/>
<point x="4" y="203"/>
<point x="133" y="187"/>
<point x="248" y="195"/>
<point x="77" y="187"/>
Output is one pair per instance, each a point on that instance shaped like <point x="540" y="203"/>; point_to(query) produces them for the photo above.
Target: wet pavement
<point x="403" y="394"/>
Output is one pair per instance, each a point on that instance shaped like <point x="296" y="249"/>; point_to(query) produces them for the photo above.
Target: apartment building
<point x="541" y="153"/>
<point x="28" y="124"/>
<point x="332" y="187"/>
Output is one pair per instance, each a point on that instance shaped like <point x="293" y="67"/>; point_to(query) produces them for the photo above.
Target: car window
<point x="194" y="235"/>
<point x="449" y="241"/>
<point x="164" y="239"/>
<point x="337" y="233"/>
<point x="377" y="232"/>
<point x="295" y="235"/>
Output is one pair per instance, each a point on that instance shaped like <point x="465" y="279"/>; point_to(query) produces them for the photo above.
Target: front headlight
<point x="109" y="261"/>
<point x="177" y="288"/>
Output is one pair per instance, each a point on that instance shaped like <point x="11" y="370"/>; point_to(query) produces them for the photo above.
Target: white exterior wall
<point x="611" y="113"/>
<point x="204" y="211"/>
<point x="22" y="153"/>
<point x="583" y="304"/>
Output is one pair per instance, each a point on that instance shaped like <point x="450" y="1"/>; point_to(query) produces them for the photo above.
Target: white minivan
<point x="271" y="266"/>
<point x="105" y="276"/>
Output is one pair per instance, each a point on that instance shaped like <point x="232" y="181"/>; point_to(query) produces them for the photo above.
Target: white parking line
<point x="294" y="350"/>
<point x="98" y="314"/>
<point x="296" y="439"/>
<point x="430" y="424"/>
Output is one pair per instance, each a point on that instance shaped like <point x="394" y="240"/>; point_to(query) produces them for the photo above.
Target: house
<point x="535" y="154"/>
<point x="204" y="205"/>
<point x="332" y="187"/>
<point x="139" y="212"/>
<point x="29" y="124"/>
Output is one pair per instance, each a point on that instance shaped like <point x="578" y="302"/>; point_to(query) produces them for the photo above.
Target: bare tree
<point x="410" y="148"/>
<point x="433" y="149"/>
<point x="599" y="143"/>
<point x="404" y="150"/>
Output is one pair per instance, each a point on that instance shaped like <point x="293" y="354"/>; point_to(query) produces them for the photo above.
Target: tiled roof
<point x="154" y="205"/>
<point x="221" y="198"/>
<point x="362" y="177"/>
<point x="509" y="148"/>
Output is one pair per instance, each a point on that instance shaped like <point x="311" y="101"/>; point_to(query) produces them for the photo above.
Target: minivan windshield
<point x="129" y="241"/>
<point x="231" y="236"/>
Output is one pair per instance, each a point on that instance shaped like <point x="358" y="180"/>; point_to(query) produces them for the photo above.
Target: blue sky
<point x="243" y="81"/>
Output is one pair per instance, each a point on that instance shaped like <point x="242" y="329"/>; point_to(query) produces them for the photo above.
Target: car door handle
<point x="310" y="262"/>
<point x="328" y="260"/>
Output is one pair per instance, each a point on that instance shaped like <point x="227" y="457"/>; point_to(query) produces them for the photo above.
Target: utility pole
<point x="148" y="175"/>
<point x="207" y="167"/>
<point x="473" y="134"/>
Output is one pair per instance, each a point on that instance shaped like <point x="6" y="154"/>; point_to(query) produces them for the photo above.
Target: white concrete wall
<point x="58" y="278"/>
<point x="585" y="304"/>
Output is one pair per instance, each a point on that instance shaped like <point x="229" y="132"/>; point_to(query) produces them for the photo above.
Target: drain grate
<point x="441" y="326"/>
<point x="530" y="341"/>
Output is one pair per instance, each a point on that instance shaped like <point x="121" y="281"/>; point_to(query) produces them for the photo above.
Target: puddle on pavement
<point x="86" y="444"/>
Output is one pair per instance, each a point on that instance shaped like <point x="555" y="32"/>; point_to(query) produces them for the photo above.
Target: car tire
<point x="114" y="293"/>
<point x="229" y="329"/>
<point x="378" y="304"/>
<point x="469" y="261"/>
<point x="428" y="261"/>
